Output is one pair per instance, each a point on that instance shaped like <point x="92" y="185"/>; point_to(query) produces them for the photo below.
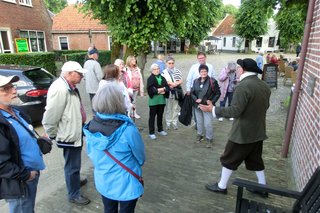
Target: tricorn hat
<point x="249" y="65"/>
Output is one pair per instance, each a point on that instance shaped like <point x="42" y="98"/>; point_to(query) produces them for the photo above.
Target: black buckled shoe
<point x="81" y="201"/>
<point x="260" y="193"/>
<point x="215" y="188"/>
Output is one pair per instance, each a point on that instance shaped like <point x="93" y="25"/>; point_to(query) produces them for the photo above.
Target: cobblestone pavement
<point x="176" y="168"/>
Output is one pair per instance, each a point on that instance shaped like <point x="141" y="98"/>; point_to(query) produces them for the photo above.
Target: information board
<point x="22" y="45"/>
<point x="270" y="75"/>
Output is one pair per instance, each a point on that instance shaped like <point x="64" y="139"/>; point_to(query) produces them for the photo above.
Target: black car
<point x="32" y="88"/>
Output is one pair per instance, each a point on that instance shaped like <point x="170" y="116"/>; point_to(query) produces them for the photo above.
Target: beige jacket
<point x="62" y="119"/>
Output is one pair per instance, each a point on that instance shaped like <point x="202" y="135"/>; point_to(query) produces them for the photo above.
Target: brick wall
<point x="81" y="41"/>
<point x="15" y="17"/>
<point x="305" y="139"/>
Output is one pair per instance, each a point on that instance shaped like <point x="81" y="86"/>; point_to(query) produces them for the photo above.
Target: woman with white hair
<point x="158" y="90"/>
<point x="111" y="136"/>
<point x="228" y="79"/>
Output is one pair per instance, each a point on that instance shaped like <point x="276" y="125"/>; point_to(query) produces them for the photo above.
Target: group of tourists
<point x="113" y="142"/>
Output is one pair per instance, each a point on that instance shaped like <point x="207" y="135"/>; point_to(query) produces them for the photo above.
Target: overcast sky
<point x="234" y="2"/>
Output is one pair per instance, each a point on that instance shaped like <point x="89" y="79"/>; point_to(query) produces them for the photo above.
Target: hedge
<point x="104" y="57"/>
<point x="44" y="60"/>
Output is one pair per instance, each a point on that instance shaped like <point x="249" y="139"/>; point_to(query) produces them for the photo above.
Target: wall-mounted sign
<point x="270" y="75"/>
<point x="22" y="45"/>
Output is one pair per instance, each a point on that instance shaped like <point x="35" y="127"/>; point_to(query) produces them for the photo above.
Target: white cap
<point x="71" y="66"/>
<point x="4" y="80"/>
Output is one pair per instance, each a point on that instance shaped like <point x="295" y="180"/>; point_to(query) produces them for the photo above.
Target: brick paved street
<point x="176" y="168"/>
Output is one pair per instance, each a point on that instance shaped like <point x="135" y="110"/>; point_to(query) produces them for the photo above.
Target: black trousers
<point x="154" y="111"/>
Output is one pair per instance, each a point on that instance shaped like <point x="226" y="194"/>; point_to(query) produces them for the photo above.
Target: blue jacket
<point x="118" y="134"/>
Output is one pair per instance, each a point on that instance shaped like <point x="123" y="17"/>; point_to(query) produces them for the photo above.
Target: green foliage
<point x="290" y="22"/>
<point x="252" y="20"/>
<point x="43" y="60"/>
<point x="229" y="9"/>
<point x="59" y="54"/>
<point x="55" y="6"/>
<point x="104" y="57"/>
<point x="136" y="23"/>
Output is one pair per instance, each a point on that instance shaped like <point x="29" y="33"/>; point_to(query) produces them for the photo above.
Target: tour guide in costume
<point x="249" y="107"/>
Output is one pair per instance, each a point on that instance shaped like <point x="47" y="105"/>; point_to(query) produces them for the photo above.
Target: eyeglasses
<point x="8" y="88"/>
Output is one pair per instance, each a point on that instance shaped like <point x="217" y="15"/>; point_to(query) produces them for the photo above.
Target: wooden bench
<point x="307" y="201"/>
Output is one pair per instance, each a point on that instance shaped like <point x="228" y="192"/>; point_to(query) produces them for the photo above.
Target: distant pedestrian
<point x="249" y="108"/>
<point x="228" y="79"/>
<point x="298" y="49"/>
<point x="20" y="157"/>
<point x="158" y="90"/>
<point x="161" y="63"/>
<point x="63" y="121"/>
<point x="112" y="131"/>
<point x="259" y="59"/>
<point x="94" y="74"/>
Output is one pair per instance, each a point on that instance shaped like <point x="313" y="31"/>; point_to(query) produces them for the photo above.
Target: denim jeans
<point x="228" y="96"/>
<point x="111" y="206"/>
<point x="27" y="203"/>
<point x="72" y="168"/>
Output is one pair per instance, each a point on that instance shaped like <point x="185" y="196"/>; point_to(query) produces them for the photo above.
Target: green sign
<point x="22" y="45"/>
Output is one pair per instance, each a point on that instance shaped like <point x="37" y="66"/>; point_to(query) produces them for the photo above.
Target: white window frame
<point x="59" y="37"/>
<point x="29" y="40"/>
<point x="11" y="1"/>
<point x="9" y="40"/>
<point x="26" y="3"/>
<point x="109" y="41"/>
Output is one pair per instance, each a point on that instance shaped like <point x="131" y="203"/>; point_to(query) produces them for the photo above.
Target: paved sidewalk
<point x="176" y="168"/>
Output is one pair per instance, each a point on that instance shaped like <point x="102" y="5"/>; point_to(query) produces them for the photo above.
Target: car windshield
<point x="39" y="76"/>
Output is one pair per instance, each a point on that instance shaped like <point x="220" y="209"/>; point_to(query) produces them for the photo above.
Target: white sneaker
<point x="175" y="127"/>
<point x="163" y="133"/>
<point x="136" y="116"/>
<point x="231" y="119"/>
<point x="153" y="136"/>
<point x="220" y="119"/>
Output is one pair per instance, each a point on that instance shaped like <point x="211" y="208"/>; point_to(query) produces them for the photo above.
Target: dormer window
<point x="26" y="2"/>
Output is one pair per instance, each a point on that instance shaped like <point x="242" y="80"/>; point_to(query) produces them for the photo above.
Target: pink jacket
<point x="224" y="81"/>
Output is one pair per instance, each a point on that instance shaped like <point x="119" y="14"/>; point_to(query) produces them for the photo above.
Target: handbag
<point x="178" y="93"/>
<point x="44" y="143"/>
<point x="140" y="178"/>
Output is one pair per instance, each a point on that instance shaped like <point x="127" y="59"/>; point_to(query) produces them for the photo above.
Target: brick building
<point x="28" y="19"/>
<point x="305" y="137"/>
<point x="72" y="30"/>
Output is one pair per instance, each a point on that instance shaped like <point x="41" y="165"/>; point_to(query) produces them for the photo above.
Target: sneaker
<point x="81" y="200"/>
<point x="153" y="136"/>
<point x="220" y="119"/>
<point x="209" y="143"/>
<point x="231" y="119"/>
<point x="175" y="127"/>
<point x="136" y="116"/>
<point x="199" y="138"/>
<point x="163" y="133"/>
<point x="168" y="127"/>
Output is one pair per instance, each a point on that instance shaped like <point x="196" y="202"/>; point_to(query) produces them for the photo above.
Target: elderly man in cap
<point x="63" y="121"/>
<point x="20" y="157"/>
<point x="248" y="107"/>
<point x="94" y="74"/>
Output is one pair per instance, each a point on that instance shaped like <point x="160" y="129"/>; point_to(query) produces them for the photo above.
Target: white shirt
<point x="194" y="74"/>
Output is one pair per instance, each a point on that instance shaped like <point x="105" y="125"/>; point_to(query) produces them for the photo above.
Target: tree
<point x="290" y="22"/>
<point x="251" y="22"/>
<point x="229" y="9"/>
<point x="135" y="23"/>
<point x="55" y="6"/>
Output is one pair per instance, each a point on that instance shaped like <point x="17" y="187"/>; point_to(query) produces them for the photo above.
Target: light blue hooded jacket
<point x="126" y="145"/>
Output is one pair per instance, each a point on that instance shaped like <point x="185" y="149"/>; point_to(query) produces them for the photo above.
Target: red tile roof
<point x="70" y="19"/>
<point x="225" y="26"/>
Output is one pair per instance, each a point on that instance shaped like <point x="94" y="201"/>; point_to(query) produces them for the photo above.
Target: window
<point x="271" y="41"/>
<point x="35" y="39"/>
<point x="63" y="41"/>
<point x="259" y="42"/>
<point x="4" y="42"/>
<point x="233" y="41"/>
<point x="110" y="42"/>
<point x="25" y="2"/>
<point x="224" y="41"/>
